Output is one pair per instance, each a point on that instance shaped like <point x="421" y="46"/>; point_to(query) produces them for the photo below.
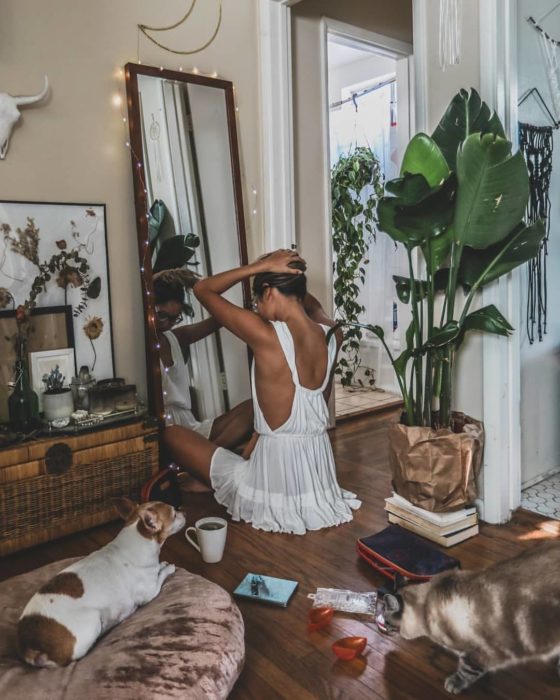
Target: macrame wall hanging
<point x="535" y="142"/>
<point x="449" y="32"/>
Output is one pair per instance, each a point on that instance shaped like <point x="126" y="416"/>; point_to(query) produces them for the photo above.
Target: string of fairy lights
<point x="138" y="166"/>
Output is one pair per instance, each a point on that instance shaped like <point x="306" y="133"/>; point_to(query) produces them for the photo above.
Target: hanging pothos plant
<point x="356" y="187"/>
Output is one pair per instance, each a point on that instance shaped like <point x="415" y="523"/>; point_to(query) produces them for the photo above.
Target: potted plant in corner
<point x="459" y="202"/>
<point x="58" y="403"/>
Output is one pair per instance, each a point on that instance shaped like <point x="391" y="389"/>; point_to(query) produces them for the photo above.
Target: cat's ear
<point x="393" y="603"/>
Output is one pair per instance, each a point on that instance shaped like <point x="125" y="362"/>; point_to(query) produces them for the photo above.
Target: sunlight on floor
<point x="355" y="401"/>
<point x="548" y="529"/>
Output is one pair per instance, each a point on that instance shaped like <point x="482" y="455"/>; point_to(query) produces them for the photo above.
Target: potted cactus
<point x="58" y="403"/>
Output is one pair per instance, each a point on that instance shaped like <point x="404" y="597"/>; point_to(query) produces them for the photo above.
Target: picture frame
<point x="50" y="328"/>
<point x="44" y="361"/>
<point x="57" y="252"/>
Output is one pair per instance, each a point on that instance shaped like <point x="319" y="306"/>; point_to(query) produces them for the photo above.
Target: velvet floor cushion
<point x="187" y="643"/>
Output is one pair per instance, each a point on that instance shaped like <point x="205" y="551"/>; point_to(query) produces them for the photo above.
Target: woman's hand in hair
<point x="282" y="262"/>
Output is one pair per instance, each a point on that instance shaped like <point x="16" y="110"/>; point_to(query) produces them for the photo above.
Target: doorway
<point x="368" y="128"/>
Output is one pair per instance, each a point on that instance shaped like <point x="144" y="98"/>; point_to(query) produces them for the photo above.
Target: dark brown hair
<point x="287" y="284"/>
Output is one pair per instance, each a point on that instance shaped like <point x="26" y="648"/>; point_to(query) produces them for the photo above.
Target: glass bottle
<point x="23" y="404"/>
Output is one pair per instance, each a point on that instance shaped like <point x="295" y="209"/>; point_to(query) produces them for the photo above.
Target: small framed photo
<point x="44" y="361"/>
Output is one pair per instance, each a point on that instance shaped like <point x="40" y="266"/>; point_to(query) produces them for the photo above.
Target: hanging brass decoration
<point x="145" y="29"/>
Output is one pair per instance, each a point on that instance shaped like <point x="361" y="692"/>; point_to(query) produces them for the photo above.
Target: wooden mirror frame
<point x="132" y="71"/>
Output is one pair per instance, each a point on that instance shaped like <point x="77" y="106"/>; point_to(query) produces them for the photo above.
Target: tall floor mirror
<point x="189" y="212"/>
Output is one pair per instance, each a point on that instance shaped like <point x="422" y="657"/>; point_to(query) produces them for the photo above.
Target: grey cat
<point x="501" y="616"/>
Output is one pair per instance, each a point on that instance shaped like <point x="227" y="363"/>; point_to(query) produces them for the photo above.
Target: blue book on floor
<point x="266" y="589"/>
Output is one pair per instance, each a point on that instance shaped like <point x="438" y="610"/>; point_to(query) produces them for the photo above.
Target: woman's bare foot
<point x="189" y="484"/>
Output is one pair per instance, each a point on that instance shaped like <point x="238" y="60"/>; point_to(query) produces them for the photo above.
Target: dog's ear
<point x="393" y="603"/>
<point x="151" y="520"/>
<point x="124" y="506"/>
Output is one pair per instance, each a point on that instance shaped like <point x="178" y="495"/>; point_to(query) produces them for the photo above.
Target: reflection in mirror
<point x="187" y="180"/>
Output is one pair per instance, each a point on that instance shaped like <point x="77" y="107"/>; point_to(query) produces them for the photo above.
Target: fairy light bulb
<point x="181" y="69"/>
<point x="116" y="100"/>
<point x="214" y="74"/>
<point x="195" y="70"/>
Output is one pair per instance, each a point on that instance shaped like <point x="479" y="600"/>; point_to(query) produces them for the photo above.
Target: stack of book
<point x="445" y="529"/>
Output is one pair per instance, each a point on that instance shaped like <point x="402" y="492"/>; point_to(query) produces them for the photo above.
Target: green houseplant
<point x="356" y="187"/>
<point x="459" y="202"/>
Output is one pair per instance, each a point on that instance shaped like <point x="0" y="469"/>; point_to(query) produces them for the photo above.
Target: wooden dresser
<point x="53" y="486"/>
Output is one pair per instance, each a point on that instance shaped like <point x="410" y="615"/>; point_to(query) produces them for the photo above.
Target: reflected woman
<point x="286" y="480"/>
<point x="227" y="430"/>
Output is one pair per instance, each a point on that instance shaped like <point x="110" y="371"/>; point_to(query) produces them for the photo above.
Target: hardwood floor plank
<point x="285" y="661"/>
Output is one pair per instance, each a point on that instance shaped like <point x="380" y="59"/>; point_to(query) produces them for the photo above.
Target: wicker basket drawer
<point x="65" y="490"/>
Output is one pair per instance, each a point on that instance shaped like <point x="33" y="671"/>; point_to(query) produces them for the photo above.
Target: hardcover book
<point x="443" y="540"/>
<point x="418" y="520"/>
<point x="266" y="589"/>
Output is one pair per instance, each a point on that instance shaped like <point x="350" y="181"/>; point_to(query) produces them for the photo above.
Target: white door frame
<point x="501" y="357"/>
<point x="385" y="46"/>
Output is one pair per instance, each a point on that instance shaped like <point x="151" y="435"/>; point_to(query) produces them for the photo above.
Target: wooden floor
<point x="283" y="659"/>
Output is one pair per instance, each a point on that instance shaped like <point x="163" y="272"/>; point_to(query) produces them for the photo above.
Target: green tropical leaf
<point x="409" y="188"/>
<point x="467" y="114"/>
<point x="400" y="363"/>
<point x="423" y="157"/>
<point x="403" y="288"/>
<point x="173" y="252"/>
<point x="412" y="224"/>
<point x="492" y="193"/>
<point x="522" y="245"/>
<point x="488" y="319"/>
<point x="409" y="336"/>
<point x="442" y="336"/>
<point x="436" y="251"/>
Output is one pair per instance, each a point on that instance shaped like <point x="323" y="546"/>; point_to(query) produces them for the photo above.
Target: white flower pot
<point x="56" y="406"/>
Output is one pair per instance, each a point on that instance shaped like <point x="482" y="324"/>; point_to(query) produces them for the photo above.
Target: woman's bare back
<point x="273" y="378"/>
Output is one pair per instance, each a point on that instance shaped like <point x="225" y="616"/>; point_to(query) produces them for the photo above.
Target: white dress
<point x="175" y="383"/>
<point x="288" y="484"/>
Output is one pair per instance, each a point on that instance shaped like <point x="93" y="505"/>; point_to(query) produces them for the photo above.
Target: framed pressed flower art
<point x="56" y="255"/>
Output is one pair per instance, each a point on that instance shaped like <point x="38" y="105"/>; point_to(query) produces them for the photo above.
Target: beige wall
<point x="72" y="148"/>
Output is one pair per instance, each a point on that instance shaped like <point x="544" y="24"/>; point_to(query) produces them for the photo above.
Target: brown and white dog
<point x="67" y="615"/>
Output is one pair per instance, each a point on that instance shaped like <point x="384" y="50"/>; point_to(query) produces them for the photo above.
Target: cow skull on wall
<point x="9" y="113"/>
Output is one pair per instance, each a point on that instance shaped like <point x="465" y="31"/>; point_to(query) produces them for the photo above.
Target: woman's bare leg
<point x="190" y="451"/>
<point x="233" y="427"/>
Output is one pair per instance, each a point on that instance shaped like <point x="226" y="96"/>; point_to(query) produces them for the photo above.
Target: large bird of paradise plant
<point x="460" y="200"/>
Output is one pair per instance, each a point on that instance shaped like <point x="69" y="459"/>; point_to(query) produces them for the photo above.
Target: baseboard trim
<point x="537" y="479"/>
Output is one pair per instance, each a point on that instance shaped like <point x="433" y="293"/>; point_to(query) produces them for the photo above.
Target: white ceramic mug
<point x="211" y="541"/>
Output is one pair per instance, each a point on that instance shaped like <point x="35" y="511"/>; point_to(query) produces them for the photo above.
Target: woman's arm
<point x="245" y="324"/>
<point x="192" y="333"/>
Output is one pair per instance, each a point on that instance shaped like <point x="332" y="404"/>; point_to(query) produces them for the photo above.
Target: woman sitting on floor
<point x="231" y="428"/>
<point x="286" y="480"/>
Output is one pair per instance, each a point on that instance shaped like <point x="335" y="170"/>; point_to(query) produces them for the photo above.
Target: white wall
<point x="441" y="87"/>
<point x="72" y="148"/>
<point x="540" y="363"/>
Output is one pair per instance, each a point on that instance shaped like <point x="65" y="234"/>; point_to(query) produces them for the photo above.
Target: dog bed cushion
<point x="187" y="643"/>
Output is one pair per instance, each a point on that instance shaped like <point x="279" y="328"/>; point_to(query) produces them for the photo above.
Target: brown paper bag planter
<point x="437" y="469"/>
